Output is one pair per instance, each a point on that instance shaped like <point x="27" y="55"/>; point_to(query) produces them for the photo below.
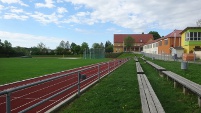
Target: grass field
<point x="117" y="93"/>
<point x="15" y="69"/>
<point x="172" y="99"/>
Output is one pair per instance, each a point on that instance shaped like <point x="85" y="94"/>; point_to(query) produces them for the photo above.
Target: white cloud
<point x="14" y="2"/>
<point x="15" y="16"/>
<point x="46" y="19"/>
<point x="61" y="10"/>
<point x="16" y="10"/>
<point x="138" y="15"/>
<point x="23" y="40"/>
<point x="48" y="4"/>
<point x="114" y="30"/>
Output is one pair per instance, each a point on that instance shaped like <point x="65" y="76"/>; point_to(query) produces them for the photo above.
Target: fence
<point x="94" y="53"/>
<point x="58" y="88"/>
<point x="169" y="57"/>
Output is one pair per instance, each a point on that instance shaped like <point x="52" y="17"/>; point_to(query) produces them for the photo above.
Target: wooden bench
<point x="157" y="67"/>
<point x="149" y="100"/>
<point x="136" y="59"/>
<point x="187" y="84"/>
<point x="139" y="68"/>
<point x="143" y="59"/>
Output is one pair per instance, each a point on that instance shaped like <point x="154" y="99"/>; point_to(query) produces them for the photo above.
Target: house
<point x="191" y="39"/>
<point x="163" y="45"/>
<point x="139" y="40"/>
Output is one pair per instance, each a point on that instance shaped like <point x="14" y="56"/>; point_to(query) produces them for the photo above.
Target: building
<point x="163" y="45"/>
<point x="191" y="39"/>
<point x="139" y="40"/>
<point x="177" y="42"/>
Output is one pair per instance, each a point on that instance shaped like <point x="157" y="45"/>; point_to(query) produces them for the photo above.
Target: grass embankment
<point x="117" y="93"/>
<point x="15" y="69"/>
<point x="193" y="72"/>
<point x="172" y="99"/>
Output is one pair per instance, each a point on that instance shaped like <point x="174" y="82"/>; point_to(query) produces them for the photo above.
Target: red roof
<point x="171" y="35"/>
<point x="177" y="32"/>
<point x="119" y="38"/>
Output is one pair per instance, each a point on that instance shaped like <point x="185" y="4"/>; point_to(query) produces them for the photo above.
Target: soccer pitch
<point x="16" y="69"/>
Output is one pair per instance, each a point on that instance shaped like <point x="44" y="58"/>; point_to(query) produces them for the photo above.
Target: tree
<point x="62" y="44"/>
<point x="129" y="41"/>
<point x="155" y="34"/>
<point x="72" y="47"/>
<point x="42" y="48"/>
<point x="198" y="23"/>
<point x="96" y="45"/>
<point x="77" y="49"/>
<point x="108" y="47"/>
<point x="84" y="46"/>
<point x="67" y="45"/>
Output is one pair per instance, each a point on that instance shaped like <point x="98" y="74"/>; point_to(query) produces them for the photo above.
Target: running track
<point x="22" y="99"/>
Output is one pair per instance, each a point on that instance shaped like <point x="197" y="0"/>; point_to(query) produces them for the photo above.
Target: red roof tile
<point x="171" y="35"/>
<point x="119" y="38"/>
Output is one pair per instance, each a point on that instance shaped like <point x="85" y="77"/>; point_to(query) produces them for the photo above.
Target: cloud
<point x="23" y="40"/>
<point x="47" y="4"/>
<point x="1" y="8"/>
<point x="16" y="10"/>
<point x="15" y="16"/>
<point x="14" y="2"/>
<point x="138" y="15"/>
<point x="61" y="10"/>
<point x="46" y="19"/>
<point x="114" y="30"/>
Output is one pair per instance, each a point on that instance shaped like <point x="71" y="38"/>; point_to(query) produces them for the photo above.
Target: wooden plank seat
<point x="149" y="100"/>
<point x="143" y="58"/>
<point x="157" y="67"/>
<point x="187" y="84"/>
<point x="136" y="59"/>
<point x="139" y="68"/>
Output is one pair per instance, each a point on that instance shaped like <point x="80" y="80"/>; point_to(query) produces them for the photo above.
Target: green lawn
<point x="172" y="99"/>
<point x="15" y="69"/>
<point x="117" y="93"/>
<point x="193" y="72"/>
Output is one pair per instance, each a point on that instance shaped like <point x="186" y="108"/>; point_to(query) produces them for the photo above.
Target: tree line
<point x="64" y="48"/>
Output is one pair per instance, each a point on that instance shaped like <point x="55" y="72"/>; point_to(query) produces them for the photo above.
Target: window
<point x="156" y="44"/>
<point x="193" y="36"/>
<point x="187" y="36"/>
<point x="199" y="35"/>
<point x="160" y="43"/>
<point x="166" y="42"/>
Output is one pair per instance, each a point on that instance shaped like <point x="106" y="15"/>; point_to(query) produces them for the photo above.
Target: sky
<point x="26" y="23"/>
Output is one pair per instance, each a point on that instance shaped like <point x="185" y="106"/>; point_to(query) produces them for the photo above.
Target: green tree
<point x="84" y="46"/>
<point x="72" y="47"/>
<point x="43" y="50"/>
<point x="155" y="34"/>
<point x="96" y="45"/>
<point x="108" y="47"/>
<point x="77" y="49"/>
<point x="129" y="41"/>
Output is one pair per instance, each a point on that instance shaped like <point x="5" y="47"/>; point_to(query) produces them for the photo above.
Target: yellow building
<point x="191" y="39"/>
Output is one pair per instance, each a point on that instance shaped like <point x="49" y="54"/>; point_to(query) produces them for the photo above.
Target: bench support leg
<point x="185" y="90"/>
<point x="161" y="74"/>
<point x="175" y="84"/>
<point x="167" y="78"/>
<point x="199" y="101"/>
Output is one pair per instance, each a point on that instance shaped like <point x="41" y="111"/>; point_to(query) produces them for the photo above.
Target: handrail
<point x="9" y="91"/>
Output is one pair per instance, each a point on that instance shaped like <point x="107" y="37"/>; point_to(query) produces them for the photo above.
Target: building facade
<point x="191" y="39"/>
<point x="139" y="40"/>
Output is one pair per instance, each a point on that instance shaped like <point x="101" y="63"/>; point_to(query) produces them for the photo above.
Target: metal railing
<point x="110" y="65"/>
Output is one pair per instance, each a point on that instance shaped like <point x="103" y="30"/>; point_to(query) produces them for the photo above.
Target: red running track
<point x="22" y="99"/>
